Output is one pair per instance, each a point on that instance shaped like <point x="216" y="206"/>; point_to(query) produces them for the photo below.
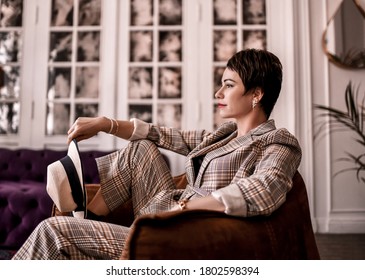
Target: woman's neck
<point x="249" y="122"/>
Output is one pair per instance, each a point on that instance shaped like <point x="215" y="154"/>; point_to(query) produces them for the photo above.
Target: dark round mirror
<point x="343" y="40"/>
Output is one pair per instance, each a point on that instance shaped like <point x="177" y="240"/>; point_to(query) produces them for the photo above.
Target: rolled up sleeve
<point x="232" y="199"/>
<point x="140" y="131"/>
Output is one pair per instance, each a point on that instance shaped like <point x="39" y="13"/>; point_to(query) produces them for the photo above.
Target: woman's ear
<point x="258" y="94"/>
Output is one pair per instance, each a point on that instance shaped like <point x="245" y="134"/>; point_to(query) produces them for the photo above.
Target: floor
<point x="330" y="246"/>
<point x="341" y="246"/>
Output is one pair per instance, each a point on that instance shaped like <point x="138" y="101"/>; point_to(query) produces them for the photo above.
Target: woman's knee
<point x="144" y="145"/>
<point x="146" y="150"/>
<point x="49" y="222"/>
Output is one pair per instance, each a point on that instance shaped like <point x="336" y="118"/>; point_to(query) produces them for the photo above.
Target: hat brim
<point x="65" y="183"/>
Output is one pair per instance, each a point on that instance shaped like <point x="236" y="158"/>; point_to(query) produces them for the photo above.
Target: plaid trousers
<point x="138" y="171"/>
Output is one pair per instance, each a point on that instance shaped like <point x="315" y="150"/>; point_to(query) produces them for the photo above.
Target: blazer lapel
<point x="218" y="138"/>
<point x="228" y="145"/>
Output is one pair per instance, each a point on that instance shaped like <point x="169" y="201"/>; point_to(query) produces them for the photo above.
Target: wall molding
<point x="346" y="225"/>
<point x="341" y="225"/>
<point x="349" y="210"/>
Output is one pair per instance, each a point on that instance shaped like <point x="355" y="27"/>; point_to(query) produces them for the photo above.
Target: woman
<point x="244" y="168"/>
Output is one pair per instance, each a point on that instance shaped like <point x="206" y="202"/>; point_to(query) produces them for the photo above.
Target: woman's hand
<point x="85" y="128"/>
<point x="204" y="203"/>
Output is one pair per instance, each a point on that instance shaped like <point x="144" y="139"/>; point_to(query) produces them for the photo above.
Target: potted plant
<point x="353" y="119"/>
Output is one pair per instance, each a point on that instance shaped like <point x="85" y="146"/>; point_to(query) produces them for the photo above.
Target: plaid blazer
<point x="257" y="167"/>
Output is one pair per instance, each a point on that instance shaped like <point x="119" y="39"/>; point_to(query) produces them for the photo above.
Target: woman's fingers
<point x="81" y="129"/>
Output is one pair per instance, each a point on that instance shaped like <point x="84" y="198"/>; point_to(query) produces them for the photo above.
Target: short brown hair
<point x="259" y="69"/>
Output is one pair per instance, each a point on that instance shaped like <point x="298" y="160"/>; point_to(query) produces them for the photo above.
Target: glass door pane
<point x="73" y="64"/>
<point x="11" y="27"/>
<point x="237" y="25"/>
<point x="155" y="63"/>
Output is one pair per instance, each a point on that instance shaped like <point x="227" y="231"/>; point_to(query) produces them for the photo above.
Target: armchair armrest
<point x="203" y="234"/>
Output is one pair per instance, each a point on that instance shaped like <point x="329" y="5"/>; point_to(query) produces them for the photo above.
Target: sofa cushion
<point x="23" y="205"/>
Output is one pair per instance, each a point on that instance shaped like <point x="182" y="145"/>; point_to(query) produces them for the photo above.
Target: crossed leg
<point x="138" y="171"/>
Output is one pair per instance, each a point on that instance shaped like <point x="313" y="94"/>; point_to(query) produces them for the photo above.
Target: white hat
<point x="65" y="184"/>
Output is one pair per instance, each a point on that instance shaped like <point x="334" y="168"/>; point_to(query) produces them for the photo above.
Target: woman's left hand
<point x="204" y="203"/>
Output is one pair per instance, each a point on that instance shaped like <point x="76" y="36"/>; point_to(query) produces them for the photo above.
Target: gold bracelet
<point x="182" y="203"/>
<point x="116" y="130"/>
<point x="111" y="125"/>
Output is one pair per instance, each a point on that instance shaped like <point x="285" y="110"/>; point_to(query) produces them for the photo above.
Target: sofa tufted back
<point x="27" y="164"/>
<point x="24" y="201"/>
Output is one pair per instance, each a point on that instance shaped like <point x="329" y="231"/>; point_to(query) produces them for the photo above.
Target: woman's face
<point x="232" y="102"/>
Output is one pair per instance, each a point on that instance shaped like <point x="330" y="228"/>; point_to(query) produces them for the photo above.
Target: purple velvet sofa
<point x="24" y="201"/>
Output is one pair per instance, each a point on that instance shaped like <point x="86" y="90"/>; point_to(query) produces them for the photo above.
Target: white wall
<point x="338" y="201"/>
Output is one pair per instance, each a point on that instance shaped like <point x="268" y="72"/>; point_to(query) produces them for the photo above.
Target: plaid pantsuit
<point x="250" y="175"/>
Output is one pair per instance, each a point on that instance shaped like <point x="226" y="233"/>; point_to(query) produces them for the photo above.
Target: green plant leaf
<point x="335" y="120"/>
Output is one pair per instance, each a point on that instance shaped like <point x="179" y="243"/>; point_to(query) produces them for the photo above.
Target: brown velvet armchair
<point x="201" y="234"/>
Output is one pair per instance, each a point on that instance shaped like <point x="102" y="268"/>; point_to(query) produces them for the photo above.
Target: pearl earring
<point x="254" y="103"/>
